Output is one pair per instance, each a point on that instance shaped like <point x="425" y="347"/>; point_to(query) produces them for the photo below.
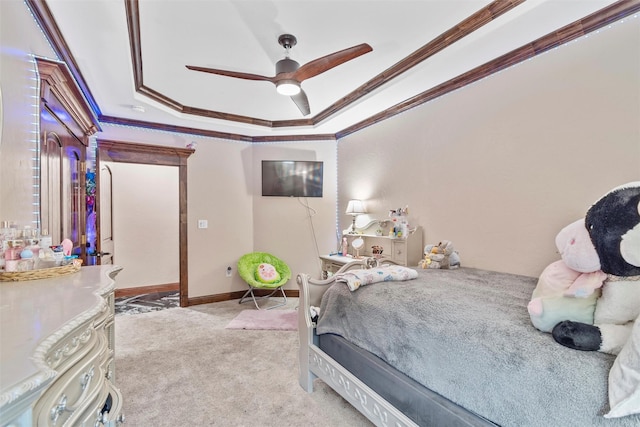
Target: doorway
<point x="122" y="152"/>
<point x="143" y="237"/>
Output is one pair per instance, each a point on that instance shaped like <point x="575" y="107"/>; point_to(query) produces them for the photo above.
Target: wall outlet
<point x="203" y="223"/>
<point x="229" y="271"/>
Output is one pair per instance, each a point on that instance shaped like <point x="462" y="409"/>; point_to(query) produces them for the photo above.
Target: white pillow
<point x="624" y="378"/>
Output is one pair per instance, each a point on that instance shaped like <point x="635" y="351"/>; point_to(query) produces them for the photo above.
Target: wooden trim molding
<point x="129" y="292"/>
<point x="464" y="28"/>
<point x="159" y="155"/>
<point x="216" y="134"/>
<point x="593" y="22"/>
<point x="42" y="14"/>
<point x="444" y="40"/>
<point x="229" y="296"/>
<point x="57" y="79"/>
<point x="599" y="19"/>
<point x="115" y="151"/>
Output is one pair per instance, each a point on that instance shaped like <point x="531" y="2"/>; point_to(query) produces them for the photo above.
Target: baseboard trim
<point x="228" y="296"/>
<point x="206" y="299"/>
<point x="129" y="292"/>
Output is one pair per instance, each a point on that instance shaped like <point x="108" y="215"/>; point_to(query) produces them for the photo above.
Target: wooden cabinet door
<point x="62" y="183"/>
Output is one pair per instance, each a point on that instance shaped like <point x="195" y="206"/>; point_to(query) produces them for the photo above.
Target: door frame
<point x="126" y="152"/>
<point x="99" y="211"/>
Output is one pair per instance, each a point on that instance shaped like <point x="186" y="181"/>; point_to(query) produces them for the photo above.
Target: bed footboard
<point x="311" y="291"/>
<point x="314" y="363"/>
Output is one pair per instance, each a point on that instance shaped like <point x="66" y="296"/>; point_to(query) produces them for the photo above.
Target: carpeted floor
<point x="181" y="367"/>
<point x="275" y="320"/>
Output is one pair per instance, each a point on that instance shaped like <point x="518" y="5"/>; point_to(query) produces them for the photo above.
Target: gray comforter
<point x="466" y="335"/>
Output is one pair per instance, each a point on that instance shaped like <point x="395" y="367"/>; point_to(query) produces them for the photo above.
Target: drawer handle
<point x="57" y="410"/>
<point x="61" y="407"/>
<point x="86" y="379"/>
<point x="102" y="418"/>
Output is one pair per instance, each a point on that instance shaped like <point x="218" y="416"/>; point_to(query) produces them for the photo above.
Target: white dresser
<point x="57" y="351"/>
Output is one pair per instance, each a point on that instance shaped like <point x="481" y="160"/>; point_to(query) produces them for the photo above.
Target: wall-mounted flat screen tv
<point x="292" y="178"/>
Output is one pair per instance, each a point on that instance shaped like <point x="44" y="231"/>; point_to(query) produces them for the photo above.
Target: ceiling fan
<point x="289" y="73"/>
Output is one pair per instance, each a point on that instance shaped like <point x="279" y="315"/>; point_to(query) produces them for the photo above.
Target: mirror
<point x="357" y="245"/>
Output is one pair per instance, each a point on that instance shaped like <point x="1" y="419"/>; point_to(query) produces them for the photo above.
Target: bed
<point x="450" y="348"/>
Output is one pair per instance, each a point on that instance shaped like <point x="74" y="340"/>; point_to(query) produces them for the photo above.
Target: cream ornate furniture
<point x="332" y="263"/>
<point x="405" y="251"/>
<point x="57" y="351"/>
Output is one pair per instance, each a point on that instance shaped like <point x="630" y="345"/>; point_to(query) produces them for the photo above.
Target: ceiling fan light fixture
<point x="288" y="87"/>
<point x="289" y="74"/>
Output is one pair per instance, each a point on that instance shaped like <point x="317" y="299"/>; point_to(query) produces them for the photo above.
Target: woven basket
<point x="43" y="273"/>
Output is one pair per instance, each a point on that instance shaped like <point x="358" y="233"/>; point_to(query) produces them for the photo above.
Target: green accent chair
<point x="247" y="267"/>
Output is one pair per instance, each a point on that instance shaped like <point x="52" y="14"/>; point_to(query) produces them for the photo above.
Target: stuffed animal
<point x="441" y="256"/>
<point x="607" y="240"/>
<point x="564" y="294"/>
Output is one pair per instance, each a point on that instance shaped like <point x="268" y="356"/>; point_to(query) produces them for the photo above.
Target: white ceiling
<point x="242" y="36"/>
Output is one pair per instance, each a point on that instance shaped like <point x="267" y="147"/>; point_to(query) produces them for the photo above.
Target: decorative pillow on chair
<point x="267" y="273"/>
<point x="624" y="378"/>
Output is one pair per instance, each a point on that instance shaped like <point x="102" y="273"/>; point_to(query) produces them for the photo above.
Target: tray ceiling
<point x="131" y="56"/>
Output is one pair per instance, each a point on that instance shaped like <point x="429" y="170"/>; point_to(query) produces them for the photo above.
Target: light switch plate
<point x="203" y="223"/>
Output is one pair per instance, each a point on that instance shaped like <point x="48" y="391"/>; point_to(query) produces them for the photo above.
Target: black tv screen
<point x="291" y="178"/>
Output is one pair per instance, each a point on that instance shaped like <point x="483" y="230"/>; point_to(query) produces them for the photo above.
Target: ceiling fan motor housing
<point x="286" y="65"/>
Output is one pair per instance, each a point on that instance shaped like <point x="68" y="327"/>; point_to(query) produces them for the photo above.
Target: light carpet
<point x="181" y="367"/>
<point x="260" y="320"/>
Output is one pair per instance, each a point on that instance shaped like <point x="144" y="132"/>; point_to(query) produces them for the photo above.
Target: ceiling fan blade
<point x="302" y="102"/>
<point x="236" y="74"/>
<point x="320" y="65"/>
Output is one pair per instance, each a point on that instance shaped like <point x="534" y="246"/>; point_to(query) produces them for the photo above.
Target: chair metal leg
<point x="250" y="292"/>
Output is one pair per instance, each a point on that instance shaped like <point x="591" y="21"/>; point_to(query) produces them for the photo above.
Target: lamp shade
<point x="355" y="207"/>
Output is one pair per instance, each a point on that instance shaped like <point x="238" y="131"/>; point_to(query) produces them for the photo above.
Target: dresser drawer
<point x="75" y="390"/>
<point x="399" y="251"/>
<point x="112" y="415"/>
<point x="57" y="364"/>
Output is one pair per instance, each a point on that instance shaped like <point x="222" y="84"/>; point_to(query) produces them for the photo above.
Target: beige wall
<point x="224" y="188"/>
<point x="219" y="191"/>
<point x="499" y="167"/>
<point x="145" y="224"/>
<point x="285" y="226"/>
<point x="21" y="39"/>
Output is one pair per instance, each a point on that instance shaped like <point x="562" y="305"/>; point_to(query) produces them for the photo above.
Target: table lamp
<point x="355" y="208"/>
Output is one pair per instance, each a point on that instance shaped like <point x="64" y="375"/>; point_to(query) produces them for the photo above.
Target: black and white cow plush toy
<point x="613" y="226"/>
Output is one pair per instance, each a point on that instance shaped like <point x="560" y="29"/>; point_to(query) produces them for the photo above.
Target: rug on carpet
<point x="276" y="320"/>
